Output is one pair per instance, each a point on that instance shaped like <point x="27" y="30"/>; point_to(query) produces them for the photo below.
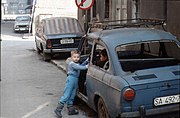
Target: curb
<point x="60" y="65"/>
<point x="29" y="36"/>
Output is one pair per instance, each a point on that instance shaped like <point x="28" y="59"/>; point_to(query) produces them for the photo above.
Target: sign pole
<point x="32" y="16"/>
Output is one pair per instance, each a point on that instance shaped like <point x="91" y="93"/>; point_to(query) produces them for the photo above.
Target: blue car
<point x="140" y="78"/>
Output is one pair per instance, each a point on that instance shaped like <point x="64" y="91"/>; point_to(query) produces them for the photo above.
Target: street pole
<point x="32" y="16"/>
<point x="165" y="10"/>
<point x="86" y="12"/>
<point x="0" y="51"/>
<point x="0" y="60"/>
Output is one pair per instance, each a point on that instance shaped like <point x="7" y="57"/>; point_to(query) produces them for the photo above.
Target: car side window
<point x="100" y="57"/>
<point x="85" y="49"/>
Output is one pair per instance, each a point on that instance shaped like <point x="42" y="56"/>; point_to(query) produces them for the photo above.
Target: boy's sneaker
<point x="58" y="113"/>
<point x="72" y="111"/>
<point x="58" y="110"/>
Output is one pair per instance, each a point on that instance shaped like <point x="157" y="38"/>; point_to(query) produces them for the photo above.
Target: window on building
<point x="94" y="9"/>
<point x="106" y="8"/>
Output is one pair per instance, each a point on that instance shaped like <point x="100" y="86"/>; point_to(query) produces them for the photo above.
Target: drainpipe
<point x="137" y="4"/>
<point x="86" y="24"/>
<point x="164" y="26"/>
<point x="165" y="11"/>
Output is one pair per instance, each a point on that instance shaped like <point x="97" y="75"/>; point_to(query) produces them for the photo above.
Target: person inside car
<point x="103" y="58"/>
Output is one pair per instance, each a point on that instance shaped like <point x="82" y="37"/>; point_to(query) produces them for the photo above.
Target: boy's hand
<point x="87" y="65"/>
<point x="87" y="60"/>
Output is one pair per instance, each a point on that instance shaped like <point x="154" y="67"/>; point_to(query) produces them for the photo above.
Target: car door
<point x="96" y="78"/>
<point x="85" y="47"/>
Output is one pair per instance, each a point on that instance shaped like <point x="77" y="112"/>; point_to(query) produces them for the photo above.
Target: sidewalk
<point x="28" y="36"/>
<point x="61" y="64"/>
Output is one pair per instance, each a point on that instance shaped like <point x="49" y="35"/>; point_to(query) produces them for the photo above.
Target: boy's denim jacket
<point x="73" y="68"/>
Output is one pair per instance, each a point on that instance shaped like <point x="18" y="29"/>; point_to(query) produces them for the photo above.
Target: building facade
<point x="12" y="8"/>
<point x="102" y="10"/>
<point x="52" y="8"/>
<point x="108" y="10"/>
<point x="163" y="9"/>
<point x="15" y="6"/>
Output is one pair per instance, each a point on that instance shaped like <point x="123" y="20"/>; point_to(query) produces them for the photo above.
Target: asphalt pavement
<point x="59" y="63"/>
<point x="30" y="87"/>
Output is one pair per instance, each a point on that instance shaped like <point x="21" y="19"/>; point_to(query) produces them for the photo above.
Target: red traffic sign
<point x="84" y="4"/>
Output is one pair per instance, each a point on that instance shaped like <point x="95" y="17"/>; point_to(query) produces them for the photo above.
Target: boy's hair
<point x="75" y="52"/>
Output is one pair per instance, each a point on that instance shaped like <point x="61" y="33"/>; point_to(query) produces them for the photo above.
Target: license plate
<point x="22" y="29"/>
<point x="66" y="41"/>
<point x="167" y="100"/>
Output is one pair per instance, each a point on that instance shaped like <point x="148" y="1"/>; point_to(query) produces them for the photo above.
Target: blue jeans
<point x="69" y="91"/>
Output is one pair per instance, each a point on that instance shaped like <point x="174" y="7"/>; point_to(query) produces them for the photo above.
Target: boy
<point x="71" y="84"/>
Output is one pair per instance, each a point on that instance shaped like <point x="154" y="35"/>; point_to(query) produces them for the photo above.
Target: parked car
<point x="56" y="35"/>
<point x="22" y="23"/>
<point x="141" y="77"/>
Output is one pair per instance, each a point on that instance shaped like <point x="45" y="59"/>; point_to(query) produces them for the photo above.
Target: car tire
<point x="102" y="110"/>
<point x="46" y="56"/>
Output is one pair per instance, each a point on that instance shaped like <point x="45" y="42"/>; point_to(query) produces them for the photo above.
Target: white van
<point x="22" y="23"/>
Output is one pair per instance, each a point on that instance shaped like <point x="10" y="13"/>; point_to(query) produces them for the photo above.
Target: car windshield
<point x="23" y="18"/>
<point x="145" y="55"/>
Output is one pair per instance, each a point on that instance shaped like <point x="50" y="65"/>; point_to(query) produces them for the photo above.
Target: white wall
<point x="55" y="8"/>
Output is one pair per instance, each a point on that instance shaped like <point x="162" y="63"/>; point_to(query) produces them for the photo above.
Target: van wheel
<point x="46" y="56"/>
<point x="102" y="111"/>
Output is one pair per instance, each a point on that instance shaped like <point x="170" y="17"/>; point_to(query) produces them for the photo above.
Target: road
<point x="30" y="87"/>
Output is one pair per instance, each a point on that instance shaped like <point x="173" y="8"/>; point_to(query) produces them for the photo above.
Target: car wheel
<point x="102" y="111"/>
<point x="46" y="56"/>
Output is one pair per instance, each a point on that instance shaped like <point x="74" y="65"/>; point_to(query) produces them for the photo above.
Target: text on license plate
<point x="167" y="100"/>
<point x="66" y="41"/>
<point x="22" y="29"/>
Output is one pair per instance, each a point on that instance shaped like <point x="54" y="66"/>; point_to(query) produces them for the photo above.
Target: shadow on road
<point x="61" y="56"/>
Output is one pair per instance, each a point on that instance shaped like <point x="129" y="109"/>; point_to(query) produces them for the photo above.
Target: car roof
<point x="122" y="36"/>
<point x="61" y="25"/>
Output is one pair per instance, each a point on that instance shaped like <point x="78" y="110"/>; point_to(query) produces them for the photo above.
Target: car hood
<point x="152" y="83"/>
<point x="154" y="75"/>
